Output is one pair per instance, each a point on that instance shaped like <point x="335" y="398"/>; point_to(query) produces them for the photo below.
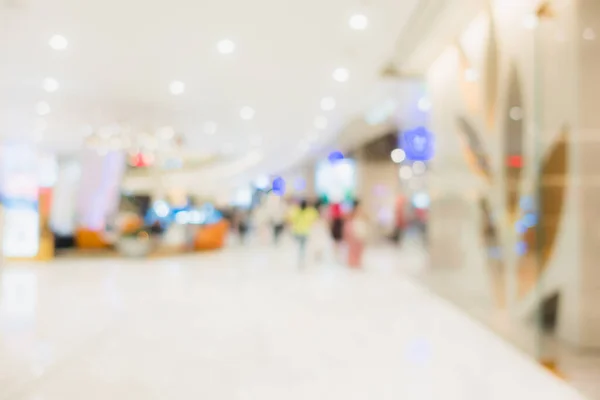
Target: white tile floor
<point x="245" y="324"/>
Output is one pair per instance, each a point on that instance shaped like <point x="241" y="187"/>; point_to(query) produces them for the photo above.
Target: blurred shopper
<point x="336" y="216"/>
<point x="156" y="229"/>
<point x="277" y="212"/>
<point x="421" y="217"/>
<point x="355" y="233"/>
<point x="302" y="219"/>
<point x="400" y="220"/>
<point x="320" y="243"/>
<point x="242" y="224"/>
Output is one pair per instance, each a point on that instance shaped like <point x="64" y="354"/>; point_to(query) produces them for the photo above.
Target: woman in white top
<point x="276" y="214"/>
<point x="320" y="243"/>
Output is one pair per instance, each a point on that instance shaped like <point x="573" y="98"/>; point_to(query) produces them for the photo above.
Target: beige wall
<point x="377" y="187"/>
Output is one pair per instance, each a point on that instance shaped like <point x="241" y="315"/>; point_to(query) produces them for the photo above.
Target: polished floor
<point x="245" y="324"/>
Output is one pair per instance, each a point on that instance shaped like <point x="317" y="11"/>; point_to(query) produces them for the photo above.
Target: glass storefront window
<point x="512" y="236"/>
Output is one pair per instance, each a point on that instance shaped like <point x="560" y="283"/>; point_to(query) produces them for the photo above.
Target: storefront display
<point x="21" y="230"/>
<point x="336" y="181"/>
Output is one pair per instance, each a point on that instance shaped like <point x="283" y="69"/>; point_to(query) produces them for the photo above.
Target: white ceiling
<point x="123" y="54"/>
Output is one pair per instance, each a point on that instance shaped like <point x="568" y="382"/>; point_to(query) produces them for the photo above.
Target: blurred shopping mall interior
<point x="335" y="199"/>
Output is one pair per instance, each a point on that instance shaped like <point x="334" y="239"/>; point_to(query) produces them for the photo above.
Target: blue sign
<point x="418" y="144"/>
<point x="335" y="156"/>
<point x="278" y="186"/>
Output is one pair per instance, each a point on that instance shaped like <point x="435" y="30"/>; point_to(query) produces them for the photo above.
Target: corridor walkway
<point x="246" y="324"/>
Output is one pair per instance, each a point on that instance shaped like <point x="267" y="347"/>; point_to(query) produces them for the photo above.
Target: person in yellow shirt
<point x="301" y="220"/>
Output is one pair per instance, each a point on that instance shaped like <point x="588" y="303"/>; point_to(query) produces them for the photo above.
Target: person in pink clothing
<point x="355" y="235"/>
<point x="399" y="219"/>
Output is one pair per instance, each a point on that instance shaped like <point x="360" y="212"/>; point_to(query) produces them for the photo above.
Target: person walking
<point x="355" y="234"/>
<point x="277" y="212"/>
<point x="320" y="243"/>
<point x="336" y="215"/>
<point x="242" y="224"/>
<point x="302" y="219"/>
<point x="400" y="220"/>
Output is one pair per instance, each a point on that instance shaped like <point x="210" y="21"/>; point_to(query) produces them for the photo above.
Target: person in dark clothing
<point x="337" y="222"/>
<point x="156" y="228"/>
<point x="241" y="222"/>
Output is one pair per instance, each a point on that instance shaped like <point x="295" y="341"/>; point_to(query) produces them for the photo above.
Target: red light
<point x="138" y="160"/>
<point x="515" y="161"/>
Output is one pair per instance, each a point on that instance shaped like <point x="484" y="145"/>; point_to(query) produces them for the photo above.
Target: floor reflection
<point x="18" y="297"/>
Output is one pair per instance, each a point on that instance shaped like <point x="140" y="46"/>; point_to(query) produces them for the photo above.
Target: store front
<point x="513" y="204"/>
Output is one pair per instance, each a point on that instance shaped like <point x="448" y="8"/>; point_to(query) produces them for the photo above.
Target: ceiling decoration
<point x="468" y="82"/>
<point x="545" y="10"/>
<point x="491" y="75"/>
<point x="493" y="246"/>
<point x="513" y="143"/>
<point x="540" y="232"/>
<point x="475" y="152"/>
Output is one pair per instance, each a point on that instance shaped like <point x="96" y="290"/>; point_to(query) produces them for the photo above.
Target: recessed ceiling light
<point x="177" y="87"/>
<point x="42" y="108"/>
<point x="226" y="46"/>
<point x="516" y="113"/>
<point x="358" y="22"/>
<point x="419" y="167"/>
<point x="50" y="85"/>
<point x="58" y="42"/>
<point x="341" y="74"/>
<point x="320" y="122"/>
<point x="327" y="103"/>
<point x="247" y="113"/>
<point x="589" y="34"/>
<point x="210" y="127"/>
<point x="398" y="155"/>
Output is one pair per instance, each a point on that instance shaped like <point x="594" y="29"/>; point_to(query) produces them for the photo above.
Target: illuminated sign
<point x="21" y="225"/>
<point x="335" y="156"/>
<point x="418" y="144"/>
<point x="278" y="186"/>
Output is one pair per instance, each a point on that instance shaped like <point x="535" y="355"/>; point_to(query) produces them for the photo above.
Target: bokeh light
<point x="398" y="155"/>
<point x="161" y="208"/>
<point x="279" y="186"/>
<point x="335" y="156"/>
<point x="419" y="167"/>
<point x="405" y="172"/>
